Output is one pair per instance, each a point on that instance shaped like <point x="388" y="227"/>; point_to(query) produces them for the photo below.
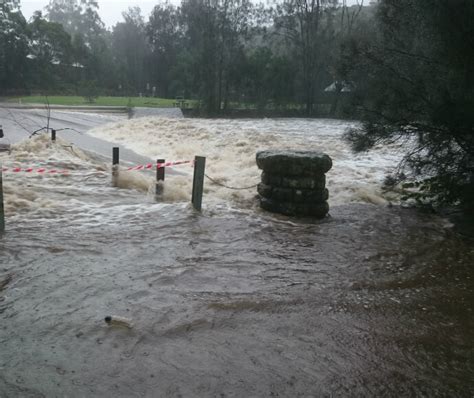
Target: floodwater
<point x="376" y="300"/>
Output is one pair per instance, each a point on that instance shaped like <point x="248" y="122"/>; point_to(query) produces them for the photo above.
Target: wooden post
<point x="115" y="166"/>
<point x="160" y="176"/>
<point x="2" y="209"/>
<point x="198" y="181"/>
<point x="53" y="135"/>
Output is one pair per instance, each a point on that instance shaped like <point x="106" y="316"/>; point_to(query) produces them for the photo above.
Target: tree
<point x="347" y="30"/>
<point x="91" y="41"/>
<point x="308" y="26"/>
<point x="13" y="46"/>
<point x="415" y="83"/>
<point x="164" y="35"/>
<point x="50" y="53"/>
<point x="130" y="49"/>
<point x="269" y="78"/>
<point x="89" y="90"/>
<point x="214" y="33"/>
<point x="77" y="17"/>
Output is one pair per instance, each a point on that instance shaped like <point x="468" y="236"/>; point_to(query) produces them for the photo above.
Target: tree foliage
<point x="221" y="52"/>
<point x="49" y="52"/>
<point x="13" y="46"/>
<point x="415" y="83"/>
<point x="130" y="50"/>
<point x="215" y="31"/>
<point x="77" y="16"/>
<point x="164" y="33"/>
<point x="308" y="25"/>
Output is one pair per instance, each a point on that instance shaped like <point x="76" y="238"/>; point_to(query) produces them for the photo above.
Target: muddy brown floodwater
<point x="373" y="301"/>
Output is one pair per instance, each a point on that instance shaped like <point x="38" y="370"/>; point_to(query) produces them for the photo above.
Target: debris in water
<point x="118" y="321"/>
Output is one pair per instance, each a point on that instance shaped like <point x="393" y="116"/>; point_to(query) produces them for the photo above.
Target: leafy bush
<point x="89" y="90"/>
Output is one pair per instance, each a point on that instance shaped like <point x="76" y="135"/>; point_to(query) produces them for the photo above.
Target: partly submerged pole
<point x="198" y="181"/>
<point x="160" y="176"/>
<point x="2" y="209"/>
<point x="115" y="166"/>
<point x="53" y="135"/>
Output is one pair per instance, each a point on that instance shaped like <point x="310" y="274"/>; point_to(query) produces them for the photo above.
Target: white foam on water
<point x="40" y="192"/>
<point x="230" y="147"/>
<point x="134" y="180"/>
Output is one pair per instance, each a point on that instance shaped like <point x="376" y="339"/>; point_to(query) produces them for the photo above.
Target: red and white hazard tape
<point x="43" y="170"/>
<point x="40" y="170"/>
<point x="150" y="166"/>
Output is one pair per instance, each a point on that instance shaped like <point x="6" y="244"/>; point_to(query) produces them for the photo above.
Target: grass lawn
<point x="101" y="101"/>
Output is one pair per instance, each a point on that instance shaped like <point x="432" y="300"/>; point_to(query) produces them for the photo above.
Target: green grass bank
<point x="99" y="101"/>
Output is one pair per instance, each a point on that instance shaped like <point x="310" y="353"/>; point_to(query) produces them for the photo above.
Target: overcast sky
<point x="110" y="10"/>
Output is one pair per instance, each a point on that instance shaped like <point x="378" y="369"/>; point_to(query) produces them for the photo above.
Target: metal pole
<point x="115" y="155"/>
<point x="198" y="181"/>
<point x="2" y="209"/>
<point x="53" y="135"/>
<point x="160" y="176"/>
<point x="115" y="166"/>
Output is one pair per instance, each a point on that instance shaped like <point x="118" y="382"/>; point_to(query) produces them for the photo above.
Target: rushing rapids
<point x="375" y="300"/>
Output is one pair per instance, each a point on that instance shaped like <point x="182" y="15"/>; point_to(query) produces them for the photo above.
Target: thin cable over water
<point x="227" y="186"/>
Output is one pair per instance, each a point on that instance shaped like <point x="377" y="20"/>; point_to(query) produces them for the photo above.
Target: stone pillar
<point x="294" y="182"/>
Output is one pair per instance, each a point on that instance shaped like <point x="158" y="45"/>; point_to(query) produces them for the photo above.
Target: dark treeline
<point x="405" y="68"/>
<point x="224" y="53"/>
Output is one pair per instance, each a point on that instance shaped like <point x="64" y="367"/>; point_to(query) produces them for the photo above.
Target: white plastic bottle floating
<point x="118" y="321"/>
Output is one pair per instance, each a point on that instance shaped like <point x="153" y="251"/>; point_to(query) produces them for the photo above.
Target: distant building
<point x="340" y="86"/>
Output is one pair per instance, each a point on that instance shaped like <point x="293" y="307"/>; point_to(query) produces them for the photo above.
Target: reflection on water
<point x="373" y="301"/>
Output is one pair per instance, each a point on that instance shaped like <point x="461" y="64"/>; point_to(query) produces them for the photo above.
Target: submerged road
<point x="72" y="124"/>
<point x="374" y="301"/>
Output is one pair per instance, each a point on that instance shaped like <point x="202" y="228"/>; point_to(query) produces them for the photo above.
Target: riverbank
<point x="100" y="101"/>
<point x="190" y="108"/>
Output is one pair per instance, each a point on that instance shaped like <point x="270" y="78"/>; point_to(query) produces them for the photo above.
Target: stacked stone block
<point x="294" y="182"/>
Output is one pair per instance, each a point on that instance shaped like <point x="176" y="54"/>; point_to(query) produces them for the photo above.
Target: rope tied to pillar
<point x="227" y="186"/>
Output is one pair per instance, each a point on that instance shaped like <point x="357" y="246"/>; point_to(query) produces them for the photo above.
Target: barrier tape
<point x="150" y="166"/>
<point x="43" y="170"/>
<point x="40" y="170"/>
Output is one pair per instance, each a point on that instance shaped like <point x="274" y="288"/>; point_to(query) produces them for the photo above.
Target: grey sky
<point x="110" y="10"/>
